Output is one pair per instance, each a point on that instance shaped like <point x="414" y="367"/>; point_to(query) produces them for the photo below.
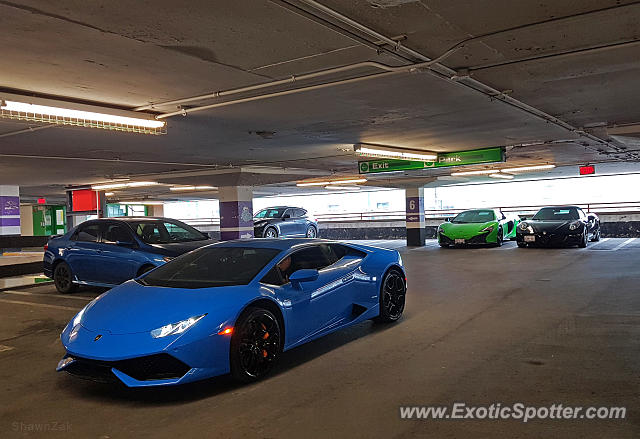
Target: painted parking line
<point x="64" y="296"/>
<point x="625" y="243"/>
<point x="4" y="348"/>
<point x="42" y="305"/>
<point x="603" y="240"/>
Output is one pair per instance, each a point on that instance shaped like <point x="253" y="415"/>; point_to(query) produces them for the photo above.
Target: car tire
<point x="392" y="296"/>
<point x="444" y="245"/>
<point x="312" y="232"/>
<point x="144" y="269"/>
<point x="499" y="237"/>
<point x="255" y="345"/>
<point x="585" y="238"/>
<point x="596" y="237"/>
<point x="271" y="232"/>
<point x="63" y="278"/>
<point x="522" y="244"/>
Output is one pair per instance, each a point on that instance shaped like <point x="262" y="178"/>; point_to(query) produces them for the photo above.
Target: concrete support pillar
<point x="157" y="210"/>
<point x="9" y="210"/>
<point x="415" y="216"/>
<point x="236" y="212"/>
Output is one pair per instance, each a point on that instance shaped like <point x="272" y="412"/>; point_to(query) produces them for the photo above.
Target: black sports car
<point x="284" y="221"/>
<point x="559" y="226"/>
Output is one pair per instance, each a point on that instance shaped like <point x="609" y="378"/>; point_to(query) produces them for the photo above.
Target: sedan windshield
<point x="557" y="214"/>
<point x="474" y="216"/>
<point x="165" y="232"/>
<point x="272" y="212"/>
<point x="211" y="267"/>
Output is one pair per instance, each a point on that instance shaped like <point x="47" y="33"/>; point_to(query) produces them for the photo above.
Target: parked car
<point x="109" y="251"/>
<point x="284" y="221"/>
<point x="479" y="226"/>
<point x="559" y="226"/>
<point x="232" y="307"/>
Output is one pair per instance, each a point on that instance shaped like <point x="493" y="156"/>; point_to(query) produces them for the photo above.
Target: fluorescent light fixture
<point x="98" y="187"/>
<point x="528" y="168"/>
<point x="479" y="172"/>
<point x="193" y="188"/>
<point x="67" y="113"/>
<point x="109" y="194"/>
<point x="332" y="182"/>
<point x="142" y="203"/>
<point x="389" y="152"/>
<point x="337" y="187"/>
<point x="502" y="176"/>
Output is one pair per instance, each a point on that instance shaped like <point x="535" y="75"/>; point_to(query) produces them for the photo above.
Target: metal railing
<point x="626" y="207"/>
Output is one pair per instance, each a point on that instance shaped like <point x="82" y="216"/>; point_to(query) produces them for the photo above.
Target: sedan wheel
<point x="271" y="233"/>
<point x="255" y="345"/>
<point x="63" y="278"/>
<point x="392" y="296"/>
<point x="311" y="232"/>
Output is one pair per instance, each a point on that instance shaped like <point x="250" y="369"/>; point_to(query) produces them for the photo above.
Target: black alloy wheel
<point x="271" y="233"/>
<point x="585" y="237"/>
<point x="392" y="296"/>
<point x="499" y="237"/>
<point x="596" y="236"/>
<point x="255" y="344"/>
<point x="63" y="278"/>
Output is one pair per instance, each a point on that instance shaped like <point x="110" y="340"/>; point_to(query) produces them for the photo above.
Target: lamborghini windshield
<point x="474" y="216"/>
<point x="213" y="266"/>
<point x="557" y="214"/>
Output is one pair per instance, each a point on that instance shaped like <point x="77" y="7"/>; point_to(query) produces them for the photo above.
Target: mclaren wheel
<point x="311" y="232"/>
<point x="255" y="345"/>
<point x="392" y="296"/>
<point x="63" y="278"/>
<point x="499" y="237"/>
<point x="271" y="233"/>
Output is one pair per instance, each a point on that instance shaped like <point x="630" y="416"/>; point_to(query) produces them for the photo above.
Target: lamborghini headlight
<point x="574" y="225"/>
<point x="488" y="229"/>
<point x="176" y="328"/>
<point x="523" y="226"/>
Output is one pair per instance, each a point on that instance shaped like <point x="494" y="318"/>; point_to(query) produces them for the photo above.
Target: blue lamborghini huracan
<point x="230" y="307"/>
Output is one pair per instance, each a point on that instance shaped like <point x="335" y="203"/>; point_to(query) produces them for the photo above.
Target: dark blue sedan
<point x="107" y="252"/>
<point x="284" y="222"/>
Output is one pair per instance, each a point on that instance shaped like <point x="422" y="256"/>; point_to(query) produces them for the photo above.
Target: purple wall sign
<point x="9" y="205"/>
<point x="415" y="207"/>
<point x="235" y="215"/>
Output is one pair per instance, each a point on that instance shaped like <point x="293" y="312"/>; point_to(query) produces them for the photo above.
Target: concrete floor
<point x="537" y="326"/>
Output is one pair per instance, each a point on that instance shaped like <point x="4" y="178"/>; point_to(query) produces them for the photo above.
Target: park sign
<point x="445" y="159"/>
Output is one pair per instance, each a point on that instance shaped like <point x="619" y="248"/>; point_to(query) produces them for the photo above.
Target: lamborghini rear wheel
<point x="255" y="344"/>
<point x="392" y="296"/>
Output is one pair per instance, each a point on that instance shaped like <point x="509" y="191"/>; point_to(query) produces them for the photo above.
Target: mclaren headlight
<point x="574" y="225"/>
<point x="488" y="229"/>
<point x="523" y="226"/>
<point x="176" y="328"/>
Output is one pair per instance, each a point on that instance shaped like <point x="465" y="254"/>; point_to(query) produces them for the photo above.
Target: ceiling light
<point x="528" y="168"/>
<point x="331" y="182"/>
<point x="479" y="172"/>
<point x="143" y="203"/>
<point x="193" y="188"/>
<point x="336" y="187"/>
<point x="66" y="113"/>
<point x="502" y="176"/>
<point x="99" y="187"/>
<point x="109" y="194"/>
<point x="388" y="152"/>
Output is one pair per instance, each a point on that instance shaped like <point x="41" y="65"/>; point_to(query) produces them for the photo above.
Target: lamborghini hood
<point x="132" y="307"/>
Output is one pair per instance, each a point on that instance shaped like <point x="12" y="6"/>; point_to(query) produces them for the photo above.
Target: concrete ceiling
<point x="577" y="61"/>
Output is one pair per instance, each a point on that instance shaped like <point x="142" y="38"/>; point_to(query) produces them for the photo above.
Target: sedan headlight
<point x="523" y="226"/>
<point x="176" y="328"/>
<point x="574" y="225"/>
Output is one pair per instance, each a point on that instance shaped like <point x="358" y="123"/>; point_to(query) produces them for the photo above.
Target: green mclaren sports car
<point x="478" y="227"/>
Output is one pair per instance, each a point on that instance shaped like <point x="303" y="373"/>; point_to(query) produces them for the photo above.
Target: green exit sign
<point x="458" y="158"/>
